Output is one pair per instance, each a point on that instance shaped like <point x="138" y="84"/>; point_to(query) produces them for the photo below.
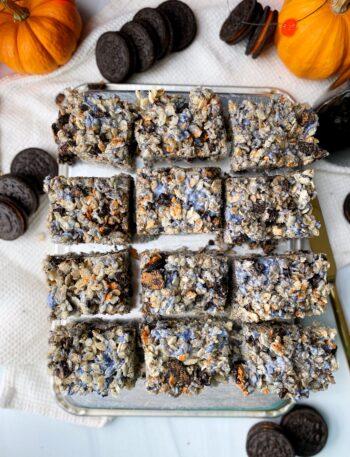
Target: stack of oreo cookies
<point x="152" y="34"/>
<point x="250" y="20"/>
<point x="20" y="190"/>
<point x="302" y="432"/>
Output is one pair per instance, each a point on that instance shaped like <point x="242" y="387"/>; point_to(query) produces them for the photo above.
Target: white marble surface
<point x="23" y="434"/>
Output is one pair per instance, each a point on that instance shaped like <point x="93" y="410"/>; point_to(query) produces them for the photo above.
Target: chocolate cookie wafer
<point x="141" y="37"/>
<point x="34" y="165"/>
<point x="160" y="25"/>
<point x="13" y="221"/>
<point x="238" y="24"/>
<point x="19" y="190"/>
<point x="267" y="439"/>
<point x="306" y="430"/>
<point x="183" y="23"/>
<point x="115" y="57"/>
<point x="263" y="35"/>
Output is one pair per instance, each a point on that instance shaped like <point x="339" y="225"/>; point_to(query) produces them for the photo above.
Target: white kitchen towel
<point x="27" y="110"/>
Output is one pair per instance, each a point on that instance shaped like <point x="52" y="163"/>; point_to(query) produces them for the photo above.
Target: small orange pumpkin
<point x="37" y="36"/>
<point x="320" y="46"/>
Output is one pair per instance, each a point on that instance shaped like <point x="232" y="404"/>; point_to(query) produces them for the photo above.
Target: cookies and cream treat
<point x="93" y="358"/>
<point x="270" y="208"/>
<point x="178" y="200"/>
<point x="172" y="127"/>
<point x="285" y="359"/>
<point x="93" y="283"/>
<point x="184" y="356"/>
<point x="276" y="134"/>
<point x="183" y="282"/>
<point x="89" y="210"/>
<point x="314" y="357"/>
<point x="276" y="287"/>
<point x="94" y="126"/>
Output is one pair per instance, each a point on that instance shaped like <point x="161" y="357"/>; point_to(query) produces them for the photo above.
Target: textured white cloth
<point x="27" y="110"/>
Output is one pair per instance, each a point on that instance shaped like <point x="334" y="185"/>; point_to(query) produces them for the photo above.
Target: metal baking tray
<point x="223" y="400"/>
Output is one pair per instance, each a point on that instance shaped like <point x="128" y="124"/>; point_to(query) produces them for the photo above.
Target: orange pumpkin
<point x="37" y="36"/>
<point x="320" y="46"/>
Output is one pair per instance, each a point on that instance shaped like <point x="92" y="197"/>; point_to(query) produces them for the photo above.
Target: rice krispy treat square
<point x="95" y="126"/>
<point x="184" y="356"/>
<point x="93" y="358"/>
<point x="270" y="208"/>
<point x="279" y="287"/>
<point x="172" y="127"/>
<point x="266" y="363"/>
<point x="183" y="282"/>
<point x="285" y="359"/>
<point x="93" y="283"/>
<point x="315" y="357"/>
<point x="276" y="134"/>
<point x="89" y="210"/>
<point x="178" y="200"/>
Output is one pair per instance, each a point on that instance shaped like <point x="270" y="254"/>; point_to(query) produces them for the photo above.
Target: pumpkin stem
<point x="340" y="6"/>
<point x="20" y="13"/>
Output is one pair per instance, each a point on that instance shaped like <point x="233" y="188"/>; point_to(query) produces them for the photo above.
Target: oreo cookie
<point x="267" y="439"/>
<point x="183" y="23"/>
<point x="13" y="221"/>
<point x="263" y="34"/>
<point x="34" y="164"/>
<point x="306" y="430"/>
<point x="19" y="191"/>
<point x="160" y="26"/>
<point x="152" y="33"/>
<point x="238" y="24"/>
<point x="141" y="37"/>
<point x="115" y="57"/>
<point x="346" y="208"/>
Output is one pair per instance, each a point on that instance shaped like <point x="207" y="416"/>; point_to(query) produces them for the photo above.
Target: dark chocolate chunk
<point x="183" y="23"/>
<point x="158" y="22"/>
<point x="34" y="165"/>
<point x="114" y="57"/>
<point x="13" y="221"/>
<point x="144" y="45"/>
<point x="306" y="430"/>
<point x="346" y="208"/>
<point x="20" y="191"/>
<point x="235" y="27"/>
<point x="267" y="439"/>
